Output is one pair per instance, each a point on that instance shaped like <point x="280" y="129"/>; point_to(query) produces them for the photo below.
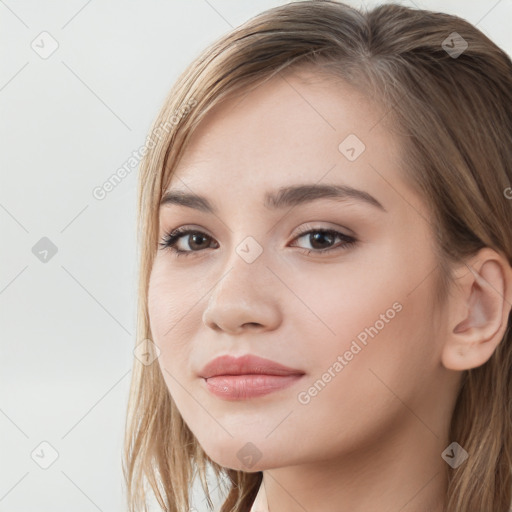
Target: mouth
<point x="249" y="376"/>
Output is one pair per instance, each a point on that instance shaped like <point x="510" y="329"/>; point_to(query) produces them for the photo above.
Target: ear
<point x="479" y="310"/>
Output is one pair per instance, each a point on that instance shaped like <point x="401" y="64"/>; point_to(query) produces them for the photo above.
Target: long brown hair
<point x="447" y="89"/>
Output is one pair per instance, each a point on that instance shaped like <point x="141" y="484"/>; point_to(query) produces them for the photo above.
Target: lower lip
<point x="241" y="387"/>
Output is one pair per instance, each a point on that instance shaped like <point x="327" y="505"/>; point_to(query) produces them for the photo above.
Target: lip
<point x="246" y="377"/>
<point x="246" y="365"/>
<point x="242" y="387"/>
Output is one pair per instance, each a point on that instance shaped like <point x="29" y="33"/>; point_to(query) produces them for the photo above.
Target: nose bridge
<point x="243" y="270"/>
<point x="246" y="264"/>
<point x="241" y="296"/>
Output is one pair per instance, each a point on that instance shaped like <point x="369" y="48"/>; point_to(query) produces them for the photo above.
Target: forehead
<point x="294" y="128"/>
<point x="298" y="115"/>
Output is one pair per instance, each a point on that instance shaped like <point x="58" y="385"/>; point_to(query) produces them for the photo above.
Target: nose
<point x="246" y="297"/>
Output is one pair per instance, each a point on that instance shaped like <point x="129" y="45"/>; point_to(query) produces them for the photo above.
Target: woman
<point x="326" y="269"/>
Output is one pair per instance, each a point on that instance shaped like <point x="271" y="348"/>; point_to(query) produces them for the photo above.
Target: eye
<point x="173" y="240"/>
<point x="319" y="238"/>
<point x="184" y="241"/>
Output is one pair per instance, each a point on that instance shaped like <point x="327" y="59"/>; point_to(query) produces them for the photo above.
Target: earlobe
<point x="479" y="311"/>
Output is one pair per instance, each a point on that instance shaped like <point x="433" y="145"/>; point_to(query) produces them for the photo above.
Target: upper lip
<point x="245" y="365"/>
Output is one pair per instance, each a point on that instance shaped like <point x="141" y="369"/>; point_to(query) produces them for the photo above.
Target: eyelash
<point x="170" y="240"/>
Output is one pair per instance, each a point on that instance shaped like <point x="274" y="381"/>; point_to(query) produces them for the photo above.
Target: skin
<point x="372" y="438"/>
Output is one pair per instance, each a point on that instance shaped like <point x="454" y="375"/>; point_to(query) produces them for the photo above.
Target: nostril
<point x="253" y="323"/>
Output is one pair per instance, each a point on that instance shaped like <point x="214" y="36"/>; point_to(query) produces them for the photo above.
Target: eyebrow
<point x="282" y="198"/>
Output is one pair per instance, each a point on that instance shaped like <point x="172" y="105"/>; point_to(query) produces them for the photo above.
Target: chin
<point x="246" y="456"/>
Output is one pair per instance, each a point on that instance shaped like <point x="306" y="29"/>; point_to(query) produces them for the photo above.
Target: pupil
<point x="321" y="236"/>
<point x="194" y="238"/>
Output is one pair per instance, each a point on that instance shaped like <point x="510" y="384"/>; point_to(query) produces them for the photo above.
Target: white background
<point x="68" y="122"/>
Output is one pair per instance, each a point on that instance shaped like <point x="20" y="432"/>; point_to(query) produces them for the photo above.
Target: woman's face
<point x="351" y="309"/>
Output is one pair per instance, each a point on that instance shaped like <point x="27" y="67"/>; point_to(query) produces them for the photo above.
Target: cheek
<point x="167" y="311"/>
<point x="370" y="320"/>
<point x="384" y="348"/>
<point x="338" y="306"/>
<point x="159" y="304"/>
